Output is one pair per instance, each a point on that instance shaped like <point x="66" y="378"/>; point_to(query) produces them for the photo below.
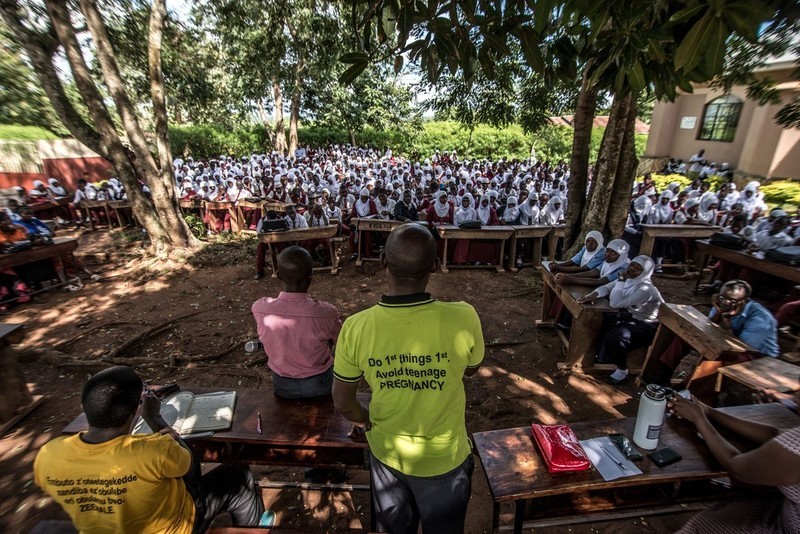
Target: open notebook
<point x="187" y="413"/>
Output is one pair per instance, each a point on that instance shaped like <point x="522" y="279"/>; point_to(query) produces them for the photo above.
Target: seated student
<point x="511" y="214"/>
<point x="589" y="257"/>
<point x="774" y="462"/>
<point x="530" y="210"/>
<point x="739" y="316"/>
<point x="487" y="251"/>
<point x="364" y="207"/>
<point x="637" y="300"/>
<point x="465" y="212"/>
<point x="294" y="220"/>
<point x="615" y="261"/>
<point x="774" y="236"/>
<point x="154" y="484"/>
<point x="319" y="248"/>
<point x="404" y="209"/>
<point x="12" y="288"/>
<point x="297" y="331"/>
<point x="261" y="248"/>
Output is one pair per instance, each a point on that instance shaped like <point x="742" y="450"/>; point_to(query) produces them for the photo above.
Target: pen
<point x="258" y="423"/>
<point x="149" y="390"/>
<point x="620" y="464"/>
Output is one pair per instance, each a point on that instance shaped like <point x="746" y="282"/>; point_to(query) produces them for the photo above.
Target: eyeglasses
<point x="730" y="302"/>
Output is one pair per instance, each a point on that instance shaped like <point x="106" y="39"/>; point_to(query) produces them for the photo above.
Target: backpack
<point x="275" y="225"/>
<point x="731" y="241"/>
<point x="471" y="225"/>
<point x="787" y="255"/>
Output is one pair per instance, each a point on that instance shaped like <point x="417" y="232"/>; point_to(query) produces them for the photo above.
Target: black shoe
<point x="259" y="276"/>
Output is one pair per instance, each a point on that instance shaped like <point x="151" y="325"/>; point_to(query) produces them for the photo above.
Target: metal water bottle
<point x="650" y="417"/>
<point x="253" y="345"/>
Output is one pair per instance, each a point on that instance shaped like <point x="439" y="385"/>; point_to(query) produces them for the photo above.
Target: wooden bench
<point x="212" y="207"/>
<point x="586" y="322"/>
<point x="536" y="233"/>
<point x="302" y="234"/>
<point x="685" y="322"/>
<point x="763" y="373"/>
<point x="556" y="233"/>
<point x="494" y="233"/>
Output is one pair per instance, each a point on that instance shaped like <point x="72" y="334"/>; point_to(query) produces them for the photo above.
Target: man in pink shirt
<point x="298" y="332"/>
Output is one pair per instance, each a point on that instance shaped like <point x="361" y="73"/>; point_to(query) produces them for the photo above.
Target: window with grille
<point x="720" y="119"/>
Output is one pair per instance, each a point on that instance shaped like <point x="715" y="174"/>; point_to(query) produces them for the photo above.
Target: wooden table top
<point x="680" y="230"/>
<point x="515" y="469"/>
<point x="299" y="234"/>
<point x="531" y="230"/>
<point x="189" y="204"/>
<point x="376" y="225"/>
<point x="706" y="337"/>
<point x="310" y="423"/>
<point x="60" y="246"/>
<point x="569" y="294"/>
<point x="765" y="373"/>
<point x="218" y="205"/>
<point x="451" y="231"/>
<point x="745" y="259"/>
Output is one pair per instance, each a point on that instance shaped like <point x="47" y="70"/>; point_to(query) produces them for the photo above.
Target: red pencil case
<point x="560" y="448"/>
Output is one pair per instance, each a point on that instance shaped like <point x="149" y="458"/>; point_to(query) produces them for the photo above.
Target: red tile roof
<point x="599" y="122"/>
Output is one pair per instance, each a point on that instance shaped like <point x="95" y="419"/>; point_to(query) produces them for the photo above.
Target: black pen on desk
<point x="258" y="423"/>
<point x="620" y="464"/>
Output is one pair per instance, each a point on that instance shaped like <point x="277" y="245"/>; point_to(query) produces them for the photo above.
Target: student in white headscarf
<point x="511" y="213"/>
<point x="752" y="204"/>
<point x="637" y="301"/>
<point x="590" y="256"/>
<point x="615" y="261"/>
<point x="56" y="188"/>
<point x="465" y="211"/>
<point x="553" y="214"/>
<point x="530" y="209"/>
<point x="708" y="208"/>
<point x="662" y="212"/>
<point x="442" y="211"/>
<point x="486" y="213"/>
<point x="640" y="211"/>
<point x="689" y="214"/>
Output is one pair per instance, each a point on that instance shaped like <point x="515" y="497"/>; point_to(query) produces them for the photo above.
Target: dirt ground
<point x="514" y="387"/>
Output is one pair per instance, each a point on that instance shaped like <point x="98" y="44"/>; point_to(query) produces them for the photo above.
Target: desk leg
<point x="519" y="515"/>
<point x="537" y="251"/>
<point x="664" y="337"/>
<point x="512" y="255"/>
<point x="273" y="260"/>
<point x="702" y="265"/>
<point x="499" y="266"/>
<point x="548" y="295"/>
<point x="585" y="328"/>
<point x="334" y="254"/>
<point x="108" y="215"/>
<point x="646" y="247"/>
<point x="359" y="246"/>
<point x="551" y="245"/>
<point x="444" y="260"/>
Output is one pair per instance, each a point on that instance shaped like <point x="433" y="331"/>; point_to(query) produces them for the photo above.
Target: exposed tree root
<point x="150" y="332"/>
<point x="508" y="343"/>
<point x="62" y="344"/>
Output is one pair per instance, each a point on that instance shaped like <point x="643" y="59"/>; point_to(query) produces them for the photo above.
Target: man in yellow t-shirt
<point x="413" y="351"/>
<point x="110" y="481"/>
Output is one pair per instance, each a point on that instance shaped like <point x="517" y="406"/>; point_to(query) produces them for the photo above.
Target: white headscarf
<point x="642" y="206"/>
<point x="362" y="208"/>
<point x="551" y="215"/>
<point x="484" y="214"/>
<point x="664" y="211"/>
<point x="442" y="210"/>
<point x="510" y="214"/>
<point x="620" y="247"/>
<point x="587" y="256"/>
<point x="632" y="283"/>
<point x="466" y="214"/>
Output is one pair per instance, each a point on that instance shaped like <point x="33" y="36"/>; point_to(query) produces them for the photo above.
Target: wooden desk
<point x="230" y="207"/>
<point x="194" y="204"/>
<point x="516" y="472"/>
<point x="372" y="225"/>
<point x="50" y="205"/>
<point x="302" y="234"/>
<point x="87" y="205"/>
<point x="117" y="205"/>
<point x="765" y="373"/>
<point x="586" y="320"/>
<point x="745" y="259"/>
<point x="13" y="392"/>
<point x="303" y="432"/>
<point x="697" y="330"/>
<point x="494" y="233"/>
<point x="537" y="234"/>
<point x="552" y="243"/>
<point x="61" y="246"/>
<point x="651" y="231"/>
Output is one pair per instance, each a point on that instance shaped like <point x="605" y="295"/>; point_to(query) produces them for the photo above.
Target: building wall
<point x="760" y="146"/>
<point x="65" y="159"/>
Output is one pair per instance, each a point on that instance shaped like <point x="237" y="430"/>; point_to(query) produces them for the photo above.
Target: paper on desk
<point x="607" y="467"/>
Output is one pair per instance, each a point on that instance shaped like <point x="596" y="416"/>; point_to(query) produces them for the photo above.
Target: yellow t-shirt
<point x="413" y="352"/>
<point x="128" y="484"/>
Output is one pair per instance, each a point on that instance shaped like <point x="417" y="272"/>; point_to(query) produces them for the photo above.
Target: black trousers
<point x="228" y="488"/>
<point x="624" y="336"/>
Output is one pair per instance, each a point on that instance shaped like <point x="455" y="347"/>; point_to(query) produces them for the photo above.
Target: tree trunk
<point x="608" y="198"/>
<point x="262" y="114"/>
<point x="163" y="191"/>
<point x="40" y="47"/>
<point x="117" y="153"/>
<point x="579" y="165"/>
<point x="297" y="92"/>
<point x="280" y="132"/>
<point x="352" y="136"/>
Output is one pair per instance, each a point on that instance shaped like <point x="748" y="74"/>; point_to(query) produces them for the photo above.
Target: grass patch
<point x="17" y="132"/>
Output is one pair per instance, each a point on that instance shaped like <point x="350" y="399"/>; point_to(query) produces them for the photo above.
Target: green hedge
<point x="785" y="193"/>
<point x="16" y="132"/>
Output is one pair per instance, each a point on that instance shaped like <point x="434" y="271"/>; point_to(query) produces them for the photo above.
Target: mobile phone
<point x="165" y="391"/>
<point x="664" y="457"/>
<point x="625" y="446"/>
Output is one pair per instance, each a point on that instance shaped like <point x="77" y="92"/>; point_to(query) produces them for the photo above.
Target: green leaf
<point x="398" y="64"/>
<point x="531" y="50"/>
<point x="619" y="81"/>
<point x="593" y="79"/>
<point x="389" y="20"/>
<point x="354" y="57"/>
<point x="497" y="43"/>
<point x="692" y="49"/>
<point x="686" y="14"/>
<point x="347" y="77"/>
<point x="636" y="77"/>
<point x="740" y="25"/>
<point x="405" y="20"/>
<point x="541" y="14"/>
<point x="715" y="46"/>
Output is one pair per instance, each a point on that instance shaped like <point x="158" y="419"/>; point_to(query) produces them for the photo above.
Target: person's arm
<point x="347" y="404"/>
<point x="591" y="273"/>
<point x="398" y="212"/>
<point x="151" y="413"/>
<point x="771" y="464"/>
<point x="637" y="297"/>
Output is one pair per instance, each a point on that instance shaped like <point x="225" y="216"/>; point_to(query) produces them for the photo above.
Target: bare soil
<point x="215" y="289"/>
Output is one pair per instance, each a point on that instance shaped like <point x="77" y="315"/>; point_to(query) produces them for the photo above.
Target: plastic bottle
<point x="650" y="417"/>
<point x="253" y="345"/>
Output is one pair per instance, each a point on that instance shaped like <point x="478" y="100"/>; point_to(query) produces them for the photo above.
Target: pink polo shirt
<point x="296" y="331"/>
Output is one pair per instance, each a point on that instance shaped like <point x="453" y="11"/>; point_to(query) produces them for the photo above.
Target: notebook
<point x="188" y="413"/>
